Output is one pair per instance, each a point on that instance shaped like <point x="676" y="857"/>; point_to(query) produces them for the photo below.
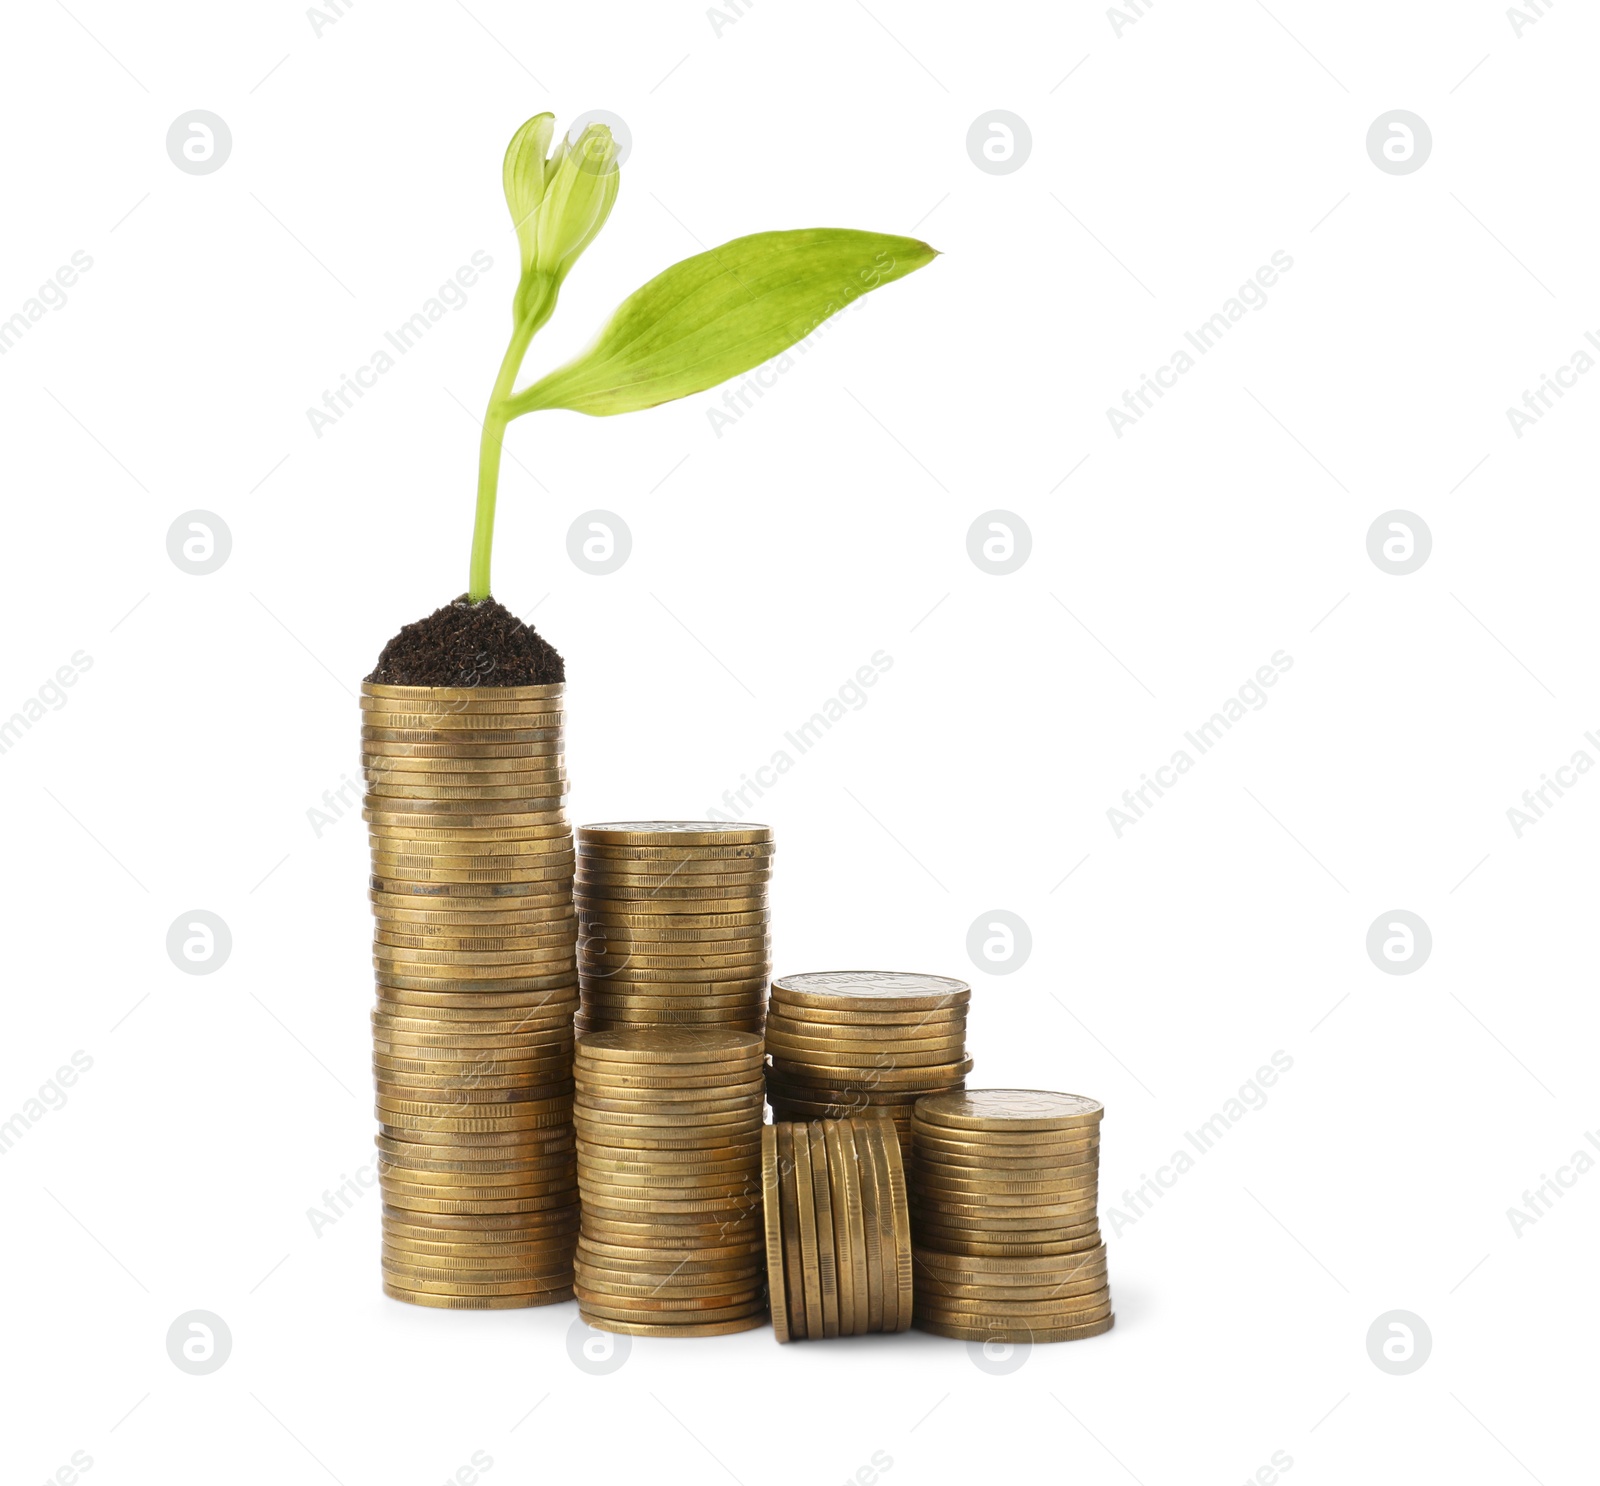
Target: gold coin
<point x="519" y="1281"/>
<point x="390" y="980"/>
<point x="665" y="858"/>
<point x="529" y="1014"/>
<point x="747" y="981"/>
<point x="476" y="1228"/>
<point x="483" y="1173"/>
<point x="901" y="1212"/>
<point x="822" y="1202"/>
<point x="527" y="741"/>
<point x="1015" y="1168"/>
<point x="374" y="749"/>
<point x="1008" y="1111"/>
<point x="659" y="1140"/>
<point x="882" y="990"/>
<point x="676" y="925"/>
<point x="678" y="1296"/>
<point x="837" y="1034"/>
<point x="663" y="899"/>
<point x="747" y="1089"/>
<point x="649" y="1076"/>
<point x="871" y="1136"/>
<point x="707" y="1328"/>
<point x="701" y="967"/>
<point x="810" y="1262"/>
<point x="502" y="1264"/>
<point x="851" y="1063"/>
<point x="445" y="1205"/>
<point x="536" y="798"/>
<point x="1014" y="1331"/>
<point x="817" y="1019"/>
<point x="1031" y="1313"/>
<point x="463" y="1093"/>
<point x="518" y="1286"/>
<point x="680" y="885"/>
<point x="666" y="910"/>
<point x="494" y="918"/>
<point x="789" y="1222"/>
<point x="887" y="1078"/>
<point x="389" y="714"/>
<point x="849" y="1238"/>
<point x="674" y="833"/>
<point x="668" y="1047"/>
<point x="994" y="1244"/>
<point x="475" y="1303"/>
<point x="456" y="944"/>
<point x="778" y="1301"/>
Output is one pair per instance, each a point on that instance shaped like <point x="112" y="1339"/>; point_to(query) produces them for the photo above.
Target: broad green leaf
<point x="719" y="314"/>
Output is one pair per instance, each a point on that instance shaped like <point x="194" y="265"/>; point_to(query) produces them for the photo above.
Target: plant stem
<point x="538" y="307"/>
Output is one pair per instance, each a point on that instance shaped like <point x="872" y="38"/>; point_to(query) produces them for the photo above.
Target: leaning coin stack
<point x="472" y="865"/>
<point x="1003" y="1209"/>
<point x="847" y="1043"/>
<point x="669" y="1164"/>
<point x="838" y="1228"/>
<point x="674" y="924"/>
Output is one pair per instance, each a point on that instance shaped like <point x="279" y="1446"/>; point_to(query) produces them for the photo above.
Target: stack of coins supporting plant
<point x="472" y="857"/>
<point x="472" y="865"/>
<point x="675" y="922"/>
<point x="669" y="1163"/>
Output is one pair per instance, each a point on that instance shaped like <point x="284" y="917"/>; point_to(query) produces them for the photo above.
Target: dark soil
<point x="464" y="644"/>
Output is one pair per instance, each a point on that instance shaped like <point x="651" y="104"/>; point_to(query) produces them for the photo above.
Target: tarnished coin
<point x="674" y="833"/>
<point x="1008" y="1110"/>
<point x="771" y="1213"/>
<point x="880" y="989"/>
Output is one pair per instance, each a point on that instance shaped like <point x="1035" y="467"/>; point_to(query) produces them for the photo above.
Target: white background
<point x="768" y="564"/>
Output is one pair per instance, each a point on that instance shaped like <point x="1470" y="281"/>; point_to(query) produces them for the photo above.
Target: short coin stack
<point x="472" y="865"/>
<point x="838" y="1228"/>
<point x="864" y="1042"/>
<point x="1003" y="1205"/>
<point x="674" y="924"/>
<point x="669" y="1164"/>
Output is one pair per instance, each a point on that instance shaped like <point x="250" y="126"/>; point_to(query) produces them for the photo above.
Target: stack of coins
<point x="674" y="924"/>
<point x="1003" y="1209"/>
<point x="669" y="1164"/>
<point x="472" y="866"/>
<point x="838" y="1228"/>
<point x="846" y="1043"/>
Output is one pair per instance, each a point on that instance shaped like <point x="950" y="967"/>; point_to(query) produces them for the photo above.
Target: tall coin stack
<point x="838" y="1228"/>
<point x="674" y="924"/>
<point x="1004" y="1187"/>
<point x="472" y="864"/>
<point x="844" y="1043"/>
<point x="669" y="1163"/>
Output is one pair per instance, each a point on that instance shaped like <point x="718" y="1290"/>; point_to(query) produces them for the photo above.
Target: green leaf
<point x="721" y="313"/>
